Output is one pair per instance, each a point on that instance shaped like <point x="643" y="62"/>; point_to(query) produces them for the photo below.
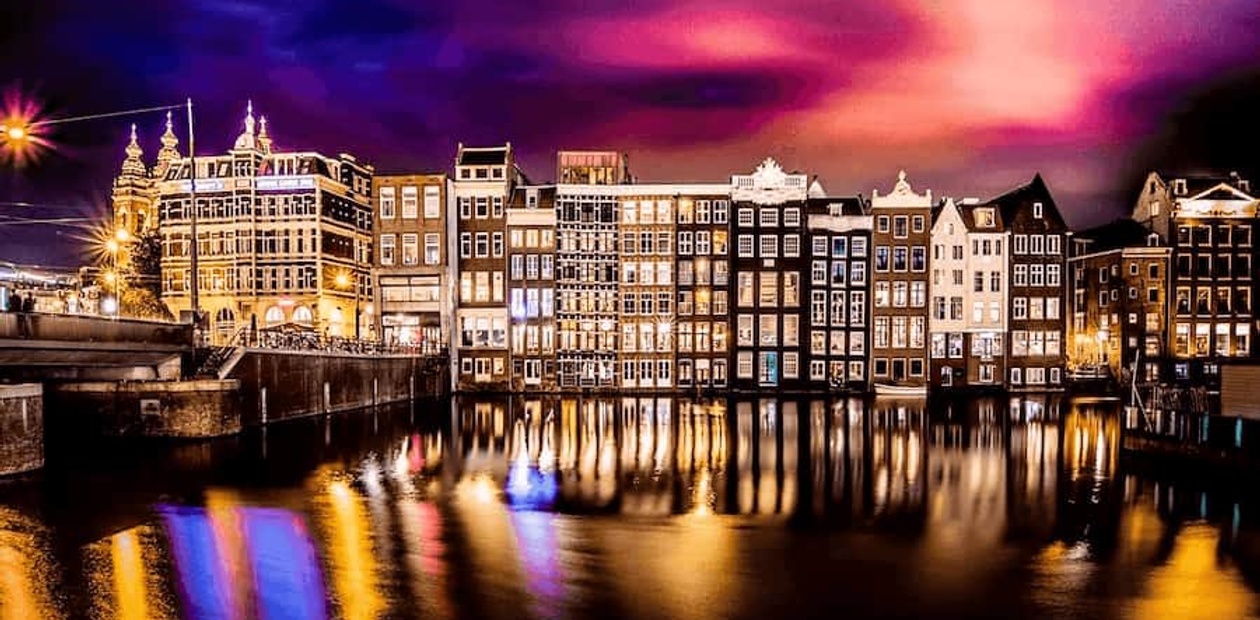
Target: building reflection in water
<point x="660" y="507"/>
<point x="885" y="462"/>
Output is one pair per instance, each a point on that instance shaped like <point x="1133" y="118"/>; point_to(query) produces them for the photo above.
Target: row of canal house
<point x="997" y="289"/>
<point x="761" y="282"/>
<point x="1168" y="293"/>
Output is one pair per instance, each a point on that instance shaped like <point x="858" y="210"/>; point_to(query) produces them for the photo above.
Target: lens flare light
<point x="22" y="137"/>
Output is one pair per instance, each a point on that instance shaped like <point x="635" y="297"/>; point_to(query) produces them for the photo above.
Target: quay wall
<point x="263" y="386"/>
<point x="282" y="385"/>
<point x="189" y="409"/>
<point x="21" y="428"/>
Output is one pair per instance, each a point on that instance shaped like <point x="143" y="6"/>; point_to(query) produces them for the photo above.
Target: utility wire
<point x="88" y="117"/>
<point x="40" y="205"/>
<point x="63" y="221"/>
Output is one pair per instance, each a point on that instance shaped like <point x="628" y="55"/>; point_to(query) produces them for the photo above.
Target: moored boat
<point x="888" y="389"/>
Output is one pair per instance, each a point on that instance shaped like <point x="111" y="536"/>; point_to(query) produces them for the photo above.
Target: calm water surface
<point x="633" y="508"/>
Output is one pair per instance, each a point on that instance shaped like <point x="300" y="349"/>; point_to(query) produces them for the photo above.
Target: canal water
<point x="634" y="508"/>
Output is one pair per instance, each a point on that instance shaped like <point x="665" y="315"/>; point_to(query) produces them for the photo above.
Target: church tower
<point x="132" y="195"/>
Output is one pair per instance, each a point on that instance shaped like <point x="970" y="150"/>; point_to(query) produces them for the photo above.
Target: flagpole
<point x="192" y="190"/>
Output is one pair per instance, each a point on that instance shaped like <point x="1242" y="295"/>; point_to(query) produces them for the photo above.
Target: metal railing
<point x="311" y="341"/>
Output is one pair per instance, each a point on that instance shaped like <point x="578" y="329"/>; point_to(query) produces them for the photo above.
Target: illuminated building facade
<point x="647" y="290"/>
<point x="702" y="342"/>
<point x="766" y="269"/>
<point x="1118" y="298"/>
<point x="1037" y="260"/>
<point x="1209" y="222"/>
<point x="587" y="278"/>
<point x="838" y="286"/>
<point x="899" y="285"/>
<point x="484" y="181"/>
<point x="277" y="231"/>
<point x="531" y="250"/>
<point x="969" y="304"/>
<point x="415" y="289"/>
<point x="592" y="168"/>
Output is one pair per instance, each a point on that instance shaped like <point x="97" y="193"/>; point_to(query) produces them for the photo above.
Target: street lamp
<point x="20" y="131"/>
<point x="344" y="281"/>
<point x="114" y="246"/>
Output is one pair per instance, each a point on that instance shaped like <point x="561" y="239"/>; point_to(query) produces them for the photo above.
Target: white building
<point x="969" y="295"/>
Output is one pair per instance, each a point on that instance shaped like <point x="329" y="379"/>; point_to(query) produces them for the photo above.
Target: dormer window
<point x="1179" y="187"/>
<point x="985" y="219"/>
<point x="1152" y="240"/>
<point x="1244" y="185"/>
<point x="1037" y="210"/>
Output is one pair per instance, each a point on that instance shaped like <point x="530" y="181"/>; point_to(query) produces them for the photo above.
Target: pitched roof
<point x="816" y="189"/>
<point x="1012" y="202"/>
<point x="967" y="210"/>
<point x="1200" y="182"/>
<point x="849" y="205"/>
<point x="1120" y="233"/>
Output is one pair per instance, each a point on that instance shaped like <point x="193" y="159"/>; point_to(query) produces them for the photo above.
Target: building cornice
<point x="647" y="189"/>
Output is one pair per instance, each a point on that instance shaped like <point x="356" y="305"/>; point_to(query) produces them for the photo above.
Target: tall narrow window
<point x="410" y="200"/>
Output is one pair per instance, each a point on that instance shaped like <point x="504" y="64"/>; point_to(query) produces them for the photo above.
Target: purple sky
<point x="971" y="97"/>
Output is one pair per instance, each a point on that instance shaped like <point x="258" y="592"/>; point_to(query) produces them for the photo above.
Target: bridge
<point x="41" y="347"/>
<point x="94" y="376"/>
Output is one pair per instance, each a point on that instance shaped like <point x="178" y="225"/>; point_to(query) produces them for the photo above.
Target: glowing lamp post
<point x="113" y="245"/>
<point x="16" y="133"/>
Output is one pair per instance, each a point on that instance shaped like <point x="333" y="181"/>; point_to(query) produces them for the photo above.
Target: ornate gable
<point x="769" y="185"/>
<point x="1220" y="200"/>
<point x="902" y="196"/>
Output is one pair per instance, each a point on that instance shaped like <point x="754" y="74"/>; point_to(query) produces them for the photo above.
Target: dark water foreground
<point x="634" y="508"/>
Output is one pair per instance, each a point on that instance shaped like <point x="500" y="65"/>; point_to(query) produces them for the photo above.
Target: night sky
<point x="970" y="96"/>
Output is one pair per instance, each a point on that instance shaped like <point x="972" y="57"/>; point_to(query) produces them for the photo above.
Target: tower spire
<point x="168" y="153"/>
<point x="264" y="140"/>
<point x="247" y="140"/>
<point x="133" y="166"/>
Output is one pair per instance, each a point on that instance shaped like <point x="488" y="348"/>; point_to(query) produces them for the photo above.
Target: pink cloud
<point x="684" y="38"/>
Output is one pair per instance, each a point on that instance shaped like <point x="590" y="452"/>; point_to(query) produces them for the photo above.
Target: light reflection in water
<point x="287" y="580"/>
<point x="1195" y="581"/>
<point x="985" y="501"/>
<point x="536" y="538"/>
<point x="199" y="563"/>
<point x="421" y="524"/>
<point x="129" y="576"/>
<point x="25" y="569"/>
<point x="352" y="566"/>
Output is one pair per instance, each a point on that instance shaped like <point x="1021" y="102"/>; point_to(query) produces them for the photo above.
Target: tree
<point x="142" y="274"/>
<point x="139" y="270"/>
